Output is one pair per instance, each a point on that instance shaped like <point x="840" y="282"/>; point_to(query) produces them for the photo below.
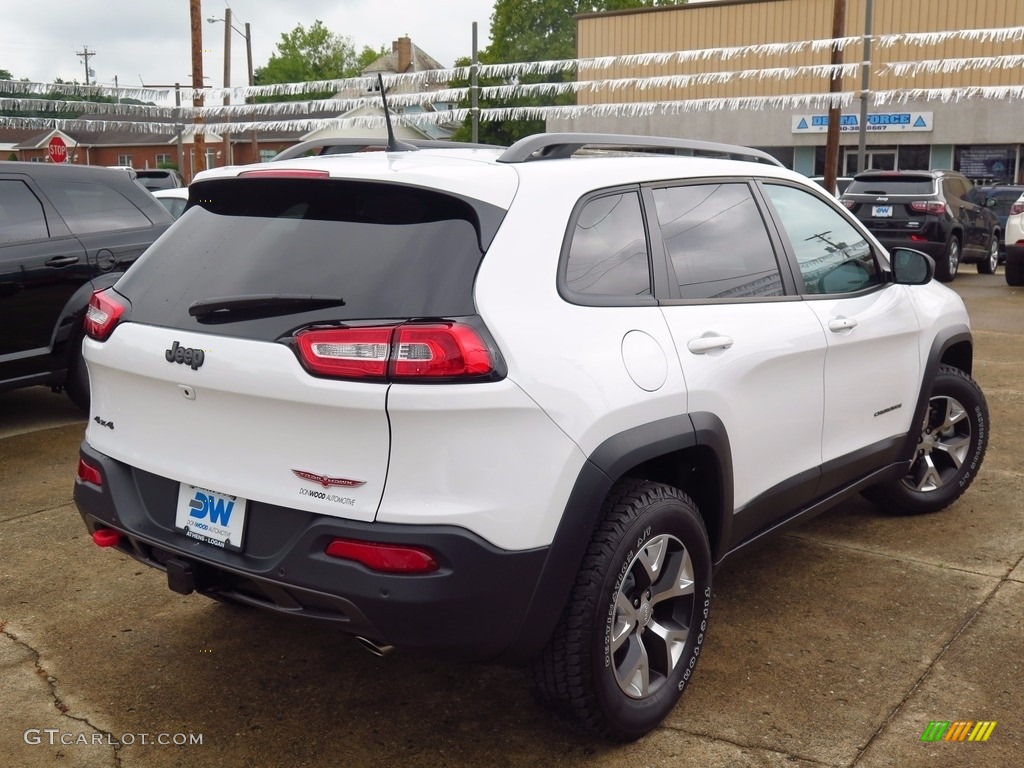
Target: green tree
<point x="310" y="54"/>
<point x="540" y="30"/>
<point x="5" y="75"/>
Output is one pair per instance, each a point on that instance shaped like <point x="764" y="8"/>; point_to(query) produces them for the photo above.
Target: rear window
<point x="389" y="251"/>
<point x="892" y="185"/>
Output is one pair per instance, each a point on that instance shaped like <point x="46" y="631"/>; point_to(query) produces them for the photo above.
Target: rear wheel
<point x="1014" y="269"/>
<point x="989" y="265"/>
<point x="946" y="267"/>
<point x="629" y="638"/>
<point x="950" y="449"/>
<point x="77" y="383"/>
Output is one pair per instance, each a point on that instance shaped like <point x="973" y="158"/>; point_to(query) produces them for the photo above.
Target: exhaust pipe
<point x="377" y="649"/>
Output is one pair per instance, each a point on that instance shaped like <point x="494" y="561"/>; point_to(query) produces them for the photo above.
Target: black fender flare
<point x="610" y="461"/>
<point x="945" y="340"/>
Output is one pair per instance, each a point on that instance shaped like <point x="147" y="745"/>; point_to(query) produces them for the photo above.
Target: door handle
<point x="704" y="344"/>
<point x="61" y="261"/>
<point x="840" y="324"/>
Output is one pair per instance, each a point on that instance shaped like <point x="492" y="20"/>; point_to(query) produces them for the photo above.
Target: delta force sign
<point x="877" y="121"/>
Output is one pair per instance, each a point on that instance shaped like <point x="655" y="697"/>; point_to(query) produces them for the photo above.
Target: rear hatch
<point x="203" y="379"/>
<point x="895" y="205"/>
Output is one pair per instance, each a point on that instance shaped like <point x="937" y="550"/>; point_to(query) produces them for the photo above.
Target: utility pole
<point x="228" y="160"/>
<point x="835" y="86"/>
<point x="865" y="92"/>
<point x="85" y="54"/>
<point x="196" y="16"/>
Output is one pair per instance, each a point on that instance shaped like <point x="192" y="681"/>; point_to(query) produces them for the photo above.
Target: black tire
<point x="951" y="449"/>
<point x="989" y="265"/>
<point x="595" y="671"/>
<point x="946" y="267"/>
<point x="77" y="383"/>
<point x="1014" y="270"/>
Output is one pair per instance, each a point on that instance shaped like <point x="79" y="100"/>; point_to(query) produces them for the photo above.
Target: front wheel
<point x="950" y="449"/>
<point x="989" y="265"/>
<point x="946" y="267"/>
<point x="629" y="638"/>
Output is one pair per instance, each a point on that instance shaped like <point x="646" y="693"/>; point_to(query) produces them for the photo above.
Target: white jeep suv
<point x="516" y="403"/>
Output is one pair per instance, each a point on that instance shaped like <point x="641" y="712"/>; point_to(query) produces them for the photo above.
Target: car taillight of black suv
<point x="937" y="212"/>
<point x="66" y="231"/>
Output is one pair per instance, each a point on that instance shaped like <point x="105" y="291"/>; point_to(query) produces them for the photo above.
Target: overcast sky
<point x="147" y="41"/>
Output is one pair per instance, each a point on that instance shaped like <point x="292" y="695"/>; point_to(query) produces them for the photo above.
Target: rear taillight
<point x="447" y="351"/>
<point x="929" y="206"/>
<point x="1017" y="208"/>
<point x="386" y="558"/>
<point x="102" y="315"/>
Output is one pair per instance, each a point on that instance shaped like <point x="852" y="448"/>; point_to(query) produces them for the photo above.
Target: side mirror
<point x="910" y="267"/>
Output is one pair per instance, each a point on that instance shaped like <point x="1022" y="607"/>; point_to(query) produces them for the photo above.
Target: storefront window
<point x="986" y="163"/>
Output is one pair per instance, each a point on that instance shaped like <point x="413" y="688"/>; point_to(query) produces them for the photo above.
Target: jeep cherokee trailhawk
<point x="516" y="403"/>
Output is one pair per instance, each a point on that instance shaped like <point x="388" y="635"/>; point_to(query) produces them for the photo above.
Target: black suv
<point x="938" y="212"/>
<point x="65" y="231"/>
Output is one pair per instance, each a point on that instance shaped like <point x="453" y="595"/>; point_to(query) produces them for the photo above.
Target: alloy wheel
<point x="942" y="447"/>
<point x="651" y="617"/>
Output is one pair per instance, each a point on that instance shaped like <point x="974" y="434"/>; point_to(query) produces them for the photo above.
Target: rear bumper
<point x="474" y="605"/>
<point x="937" y="250"/>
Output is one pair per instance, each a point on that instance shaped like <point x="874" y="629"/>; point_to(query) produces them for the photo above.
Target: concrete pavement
<point x="835" y="645"/>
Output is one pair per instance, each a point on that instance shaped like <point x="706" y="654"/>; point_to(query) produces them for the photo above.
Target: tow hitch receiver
<point x="181" y="576"/>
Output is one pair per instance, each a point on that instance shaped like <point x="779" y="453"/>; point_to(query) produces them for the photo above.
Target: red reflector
<point x="285" y="173"/>
<point x="388" y="558"/>
<point x="102" y="315"/>
<point x="919" y="238"/>
<point x="105" y="537"/>
<point x="88" y="473"/>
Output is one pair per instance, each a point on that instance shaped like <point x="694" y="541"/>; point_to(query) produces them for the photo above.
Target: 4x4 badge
<point x="327" y="482"/>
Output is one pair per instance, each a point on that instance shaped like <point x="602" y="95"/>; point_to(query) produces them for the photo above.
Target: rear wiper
<point x="259" y="305"/>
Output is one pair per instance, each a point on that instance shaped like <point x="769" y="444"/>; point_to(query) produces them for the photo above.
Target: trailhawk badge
<point x="328" y="482"/>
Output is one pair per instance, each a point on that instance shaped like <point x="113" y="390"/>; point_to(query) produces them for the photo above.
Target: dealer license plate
<point x="881" y="211"/>
<point x="211" y="517"/>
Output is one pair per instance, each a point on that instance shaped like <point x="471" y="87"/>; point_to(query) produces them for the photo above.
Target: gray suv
<point x="65" y="232"/>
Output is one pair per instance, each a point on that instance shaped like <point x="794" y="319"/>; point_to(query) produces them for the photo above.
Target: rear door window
<point x="717" y="242"/>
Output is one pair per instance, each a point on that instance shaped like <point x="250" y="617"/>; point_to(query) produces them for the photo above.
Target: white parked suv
<point x="1014" y="265"/>
<point x="516" y="404"/>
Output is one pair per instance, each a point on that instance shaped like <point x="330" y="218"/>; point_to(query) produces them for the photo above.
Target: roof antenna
<point x="394" y="145"/>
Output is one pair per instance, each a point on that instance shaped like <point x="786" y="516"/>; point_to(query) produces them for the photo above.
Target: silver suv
<point x="516" y="404"/>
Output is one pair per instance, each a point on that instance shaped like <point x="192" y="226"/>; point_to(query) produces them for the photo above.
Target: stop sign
<point x="58" y="149"/>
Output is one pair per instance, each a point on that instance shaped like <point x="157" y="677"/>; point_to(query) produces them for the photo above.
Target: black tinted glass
<point x="608" y="255"/>
<point x="717" y="241"/>
<point x="21" y="214"/>
<point x="88" y="207"/>
<point x="389" y="251"/>
<point x="892" y="185"/>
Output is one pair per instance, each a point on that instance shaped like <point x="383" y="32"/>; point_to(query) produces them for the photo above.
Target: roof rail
<point x="349" y="144"/>
<point x="544" y="146"/>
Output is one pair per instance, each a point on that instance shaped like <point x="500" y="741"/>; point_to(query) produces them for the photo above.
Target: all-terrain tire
<point x="629" y="638"/>
<point x="951" y="448"/>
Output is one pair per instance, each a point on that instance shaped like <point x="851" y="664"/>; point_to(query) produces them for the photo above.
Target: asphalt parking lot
<point x="836" y="645"/>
